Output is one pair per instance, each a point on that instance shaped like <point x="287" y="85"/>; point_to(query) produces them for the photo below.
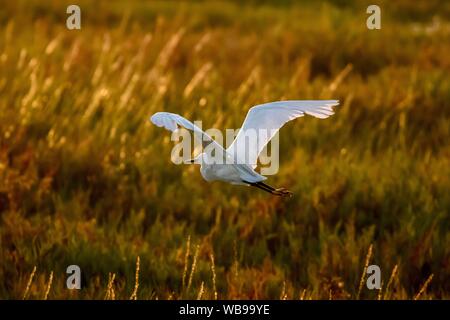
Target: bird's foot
<point x="283" y="192"/>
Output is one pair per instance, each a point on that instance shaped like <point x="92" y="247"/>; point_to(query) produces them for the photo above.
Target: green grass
<point x="85" y="179"/>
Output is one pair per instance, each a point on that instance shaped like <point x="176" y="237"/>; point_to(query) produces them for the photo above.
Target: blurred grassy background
<point x="86" y="180"/>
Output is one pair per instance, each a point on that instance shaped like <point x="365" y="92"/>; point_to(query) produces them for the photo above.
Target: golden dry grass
<point x="85" y="179"/>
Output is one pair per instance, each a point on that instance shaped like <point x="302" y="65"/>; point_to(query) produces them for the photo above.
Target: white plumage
<point x="265" y="118"/>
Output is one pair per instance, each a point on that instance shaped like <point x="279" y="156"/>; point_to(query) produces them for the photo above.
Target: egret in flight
<point x="268" y="117"/>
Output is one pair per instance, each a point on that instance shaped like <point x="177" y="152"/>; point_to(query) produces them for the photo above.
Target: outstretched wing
<point x="171" y="121"/>
<point x="263" y="122"/>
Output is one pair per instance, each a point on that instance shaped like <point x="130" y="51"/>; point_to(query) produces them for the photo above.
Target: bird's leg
<point x="266" y="186"/>
<point x="278" y="191"/>
<point x="263" y="188"/>
<point x="269" y="189"/>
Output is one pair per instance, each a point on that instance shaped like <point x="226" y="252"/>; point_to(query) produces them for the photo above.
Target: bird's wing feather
<point x="171" y="121"/>
<point x="267" y="119"/>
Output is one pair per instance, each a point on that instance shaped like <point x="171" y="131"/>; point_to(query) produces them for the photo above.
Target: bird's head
<point x="197" y="160"/>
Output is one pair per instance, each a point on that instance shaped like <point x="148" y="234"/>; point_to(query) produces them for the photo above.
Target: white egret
<point x="269" y="117"/>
